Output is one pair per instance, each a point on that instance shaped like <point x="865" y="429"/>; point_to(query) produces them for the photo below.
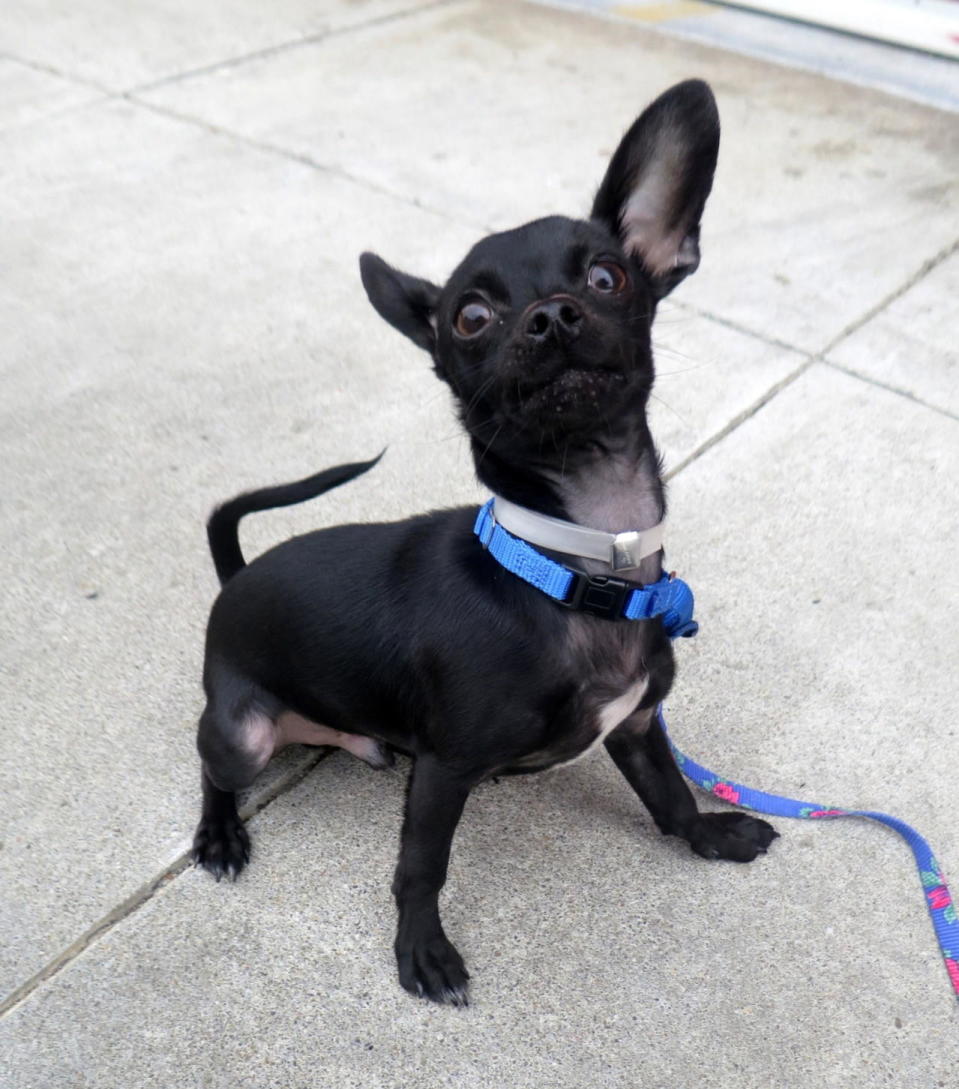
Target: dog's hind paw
<point x="432" y="968"/>
<point x="222" y="847"/>
<point x="734" y="836"/>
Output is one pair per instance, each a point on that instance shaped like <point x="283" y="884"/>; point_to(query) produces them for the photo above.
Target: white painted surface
<point x="931" y="25"/>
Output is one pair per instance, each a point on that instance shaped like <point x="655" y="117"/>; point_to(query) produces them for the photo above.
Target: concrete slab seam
<point x="296" y="157"/>
<point x="924" y="269"/>
<point x="890" y="389"/>
<point x="50" y="70"/>
<point x="226" y="62"/>
<point x="292" y="43"/>
<point x="738" y="327"/>
<point x="147" y="891"/>
<point x="102" y="926"/>
<point x="747" y="413"/>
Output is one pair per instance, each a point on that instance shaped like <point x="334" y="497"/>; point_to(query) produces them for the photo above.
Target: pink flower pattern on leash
<point x="939" y="897"/>
<point x="942" y="907"/>
<point x="726" y="792"/>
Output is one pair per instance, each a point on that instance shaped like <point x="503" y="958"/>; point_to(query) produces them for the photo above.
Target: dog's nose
<point x="560" y="315"/>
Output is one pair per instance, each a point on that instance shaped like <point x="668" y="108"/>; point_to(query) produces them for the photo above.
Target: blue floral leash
<point x="671" y="601"/>
<point x="942" y="910"/>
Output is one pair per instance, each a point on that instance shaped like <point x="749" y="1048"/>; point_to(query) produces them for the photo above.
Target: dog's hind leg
<point x="236" y="739"/>
<point x="239" y="732"/>
<point x="221" y="843"/>
<point x="640" y="750"/>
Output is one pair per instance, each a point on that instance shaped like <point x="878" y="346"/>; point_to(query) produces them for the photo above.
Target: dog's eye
<point x="607" y="276"/>
<point x="473" y="318"/>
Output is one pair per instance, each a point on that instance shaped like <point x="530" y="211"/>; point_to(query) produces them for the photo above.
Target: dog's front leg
<point x="428" y="963"/>
<point x="640" y="750"/>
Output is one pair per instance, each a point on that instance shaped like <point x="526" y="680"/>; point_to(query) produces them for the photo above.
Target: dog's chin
<point x="577" y="398"/>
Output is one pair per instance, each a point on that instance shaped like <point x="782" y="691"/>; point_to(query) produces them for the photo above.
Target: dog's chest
<point x="606" y="663"/>
<point x="608" y="715"/>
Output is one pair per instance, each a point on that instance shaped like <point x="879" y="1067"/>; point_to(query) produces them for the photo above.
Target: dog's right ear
<point x="406" y="302"/>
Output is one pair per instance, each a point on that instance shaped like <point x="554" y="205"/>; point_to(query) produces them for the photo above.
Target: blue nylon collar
<point x="669" y="598"/>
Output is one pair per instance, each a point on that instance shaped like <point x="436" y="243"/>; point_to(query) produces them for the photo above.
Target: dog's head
<point x="543" y="332"/>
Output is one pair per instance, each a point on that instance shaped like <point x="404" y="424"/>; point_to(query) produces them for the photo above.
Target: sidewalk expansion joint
<point x="50" y="70"/>
<point x="296" y="157"/>
<point x="147" y="891"/>
<point x="738" y="327"/>
<point x="285" y="46"/>
<point x="738" y="420"/>
<point x="950" y="415"/>
<point x="924" y="269"/>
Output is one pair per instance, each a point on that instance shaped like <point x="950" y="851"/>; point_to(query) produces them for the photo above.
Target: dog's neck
<point x="614" y="487"/>
<point x="613" y="491"/>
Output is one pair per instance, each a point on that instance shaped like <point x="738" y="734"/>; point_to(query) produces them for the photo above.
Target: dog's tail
<point x="223" y="526"/>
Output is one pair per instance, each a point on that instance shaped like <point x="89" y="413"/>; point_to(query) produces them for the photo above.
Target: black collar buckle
<point x="598" y="595"/>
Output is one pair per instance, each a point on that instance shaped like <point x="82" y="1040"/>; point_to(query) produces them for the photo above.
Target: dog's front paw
<point x="430" y="967"/>
<point x="733" y="836"/>
<point x="221" y="846"/>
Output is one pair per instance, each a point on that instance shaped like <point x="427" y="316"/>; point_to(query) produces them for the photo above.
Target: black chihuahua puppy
<point x="414" y="636"/>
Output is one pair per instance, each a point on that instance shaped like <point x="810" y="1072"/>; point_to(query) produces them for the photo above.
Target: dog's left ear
<point x="658" y="180"/>
<point x="406" y="302"/>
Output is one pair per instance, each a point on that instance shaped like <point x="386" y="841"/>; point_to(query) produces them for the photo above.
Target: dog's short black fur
<point x="409" y="635"/>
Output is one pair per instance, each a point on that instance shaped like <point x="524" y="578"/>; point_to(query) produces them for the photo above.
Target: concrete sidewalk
<point x="185" y="192"/>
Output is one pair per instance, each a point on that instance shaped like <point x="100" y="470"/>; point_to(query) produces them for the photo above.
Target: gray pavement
<point x="186" y="189"/>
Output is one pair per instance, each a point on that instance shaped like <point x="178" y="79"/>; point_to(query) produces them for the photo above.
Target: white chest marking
<point x="611" y="715"/>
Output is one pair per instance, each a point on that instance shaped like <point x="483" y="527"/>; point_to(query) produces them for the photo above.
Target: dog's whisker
<point x="562" y="467"/>
<point x="474" y="400"/>
<point x="679" y="416"/>
<point x="697" y="360"/>
<point x="683" y="370"/>
<point x="489" y="444"/>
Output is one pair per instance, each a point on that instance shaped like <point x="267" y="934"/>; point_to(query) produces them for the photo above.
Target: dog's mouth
<point x="575" y="392"/>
